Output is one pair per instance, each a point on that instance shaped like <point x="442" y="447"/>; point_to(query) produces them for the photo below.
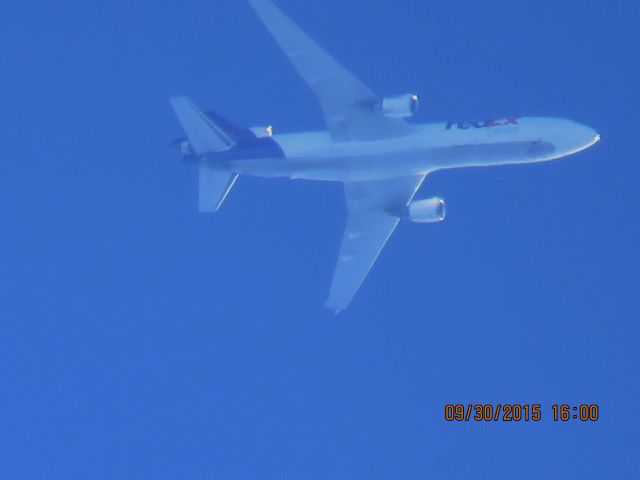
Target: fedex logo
<point x="486" y="124"/>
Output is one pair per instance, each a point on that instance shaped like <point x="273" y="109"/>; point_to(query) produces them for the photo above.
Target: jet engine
<point x="401" y="106"/>
<point x="183" y="145"/>
<point x="262" y="132"/>
<point x="430" y="210"/>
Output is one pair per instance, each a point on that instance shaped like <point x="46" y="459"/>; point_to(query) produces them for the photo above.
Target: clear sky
<point x="140" y="339"/>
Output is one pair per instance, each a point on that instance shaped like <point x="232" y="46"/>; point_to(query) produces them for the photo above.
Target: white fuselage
<point x="428" y="147"/>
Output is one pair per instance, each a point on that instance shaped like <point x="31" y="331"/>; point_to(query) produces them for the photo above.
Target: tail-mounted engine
<point x="183" y="145"/>
<point x="262" y="132"/>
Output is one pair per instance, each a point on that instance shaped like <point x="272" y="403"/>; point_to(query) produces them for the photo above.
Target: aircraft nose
<point x="589" y="136"/>
<point x="593" y="135"/>
<point x="574" y="137"/>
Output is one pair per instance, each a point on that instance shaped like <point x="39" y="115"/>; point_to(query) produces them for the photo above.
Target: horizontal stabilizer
<point x="204" y="135"/>
<point x="214" y="186"/>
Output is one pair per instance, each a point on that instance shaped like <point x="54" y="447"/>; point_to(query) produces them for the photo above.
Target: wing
<point x="371" y="221"/>
<point x="347" y="104"/>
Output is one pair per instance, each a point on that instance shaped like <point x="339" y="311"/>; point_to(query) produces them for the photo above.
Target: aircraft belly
<point x="332" y="166"/>
<point x="490" y="153"/>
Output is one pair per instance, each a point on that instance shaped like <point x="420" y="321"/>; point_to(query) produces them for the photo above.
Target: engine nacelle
<point x="262" y="132"/>
<point x="430" y="210"/>
<point x="401" y="106"/>
<point x="183" y="145"/>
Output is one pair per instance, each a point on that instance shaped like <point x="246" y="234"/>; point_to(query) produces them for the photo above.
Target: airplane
<point x="368" y="146"/>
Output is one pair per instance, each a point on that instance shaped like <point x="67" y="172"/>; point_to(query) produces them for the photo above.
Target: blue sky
<point x="140" y="339"/>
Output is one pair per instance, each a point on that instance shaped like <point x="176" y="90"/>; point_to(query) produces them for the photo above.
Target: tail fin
<point x="204" y="135"/>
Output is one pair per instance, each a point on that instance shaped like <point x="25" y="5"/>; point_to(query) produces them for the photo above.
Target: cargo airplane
<point x="368" y="146"/>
